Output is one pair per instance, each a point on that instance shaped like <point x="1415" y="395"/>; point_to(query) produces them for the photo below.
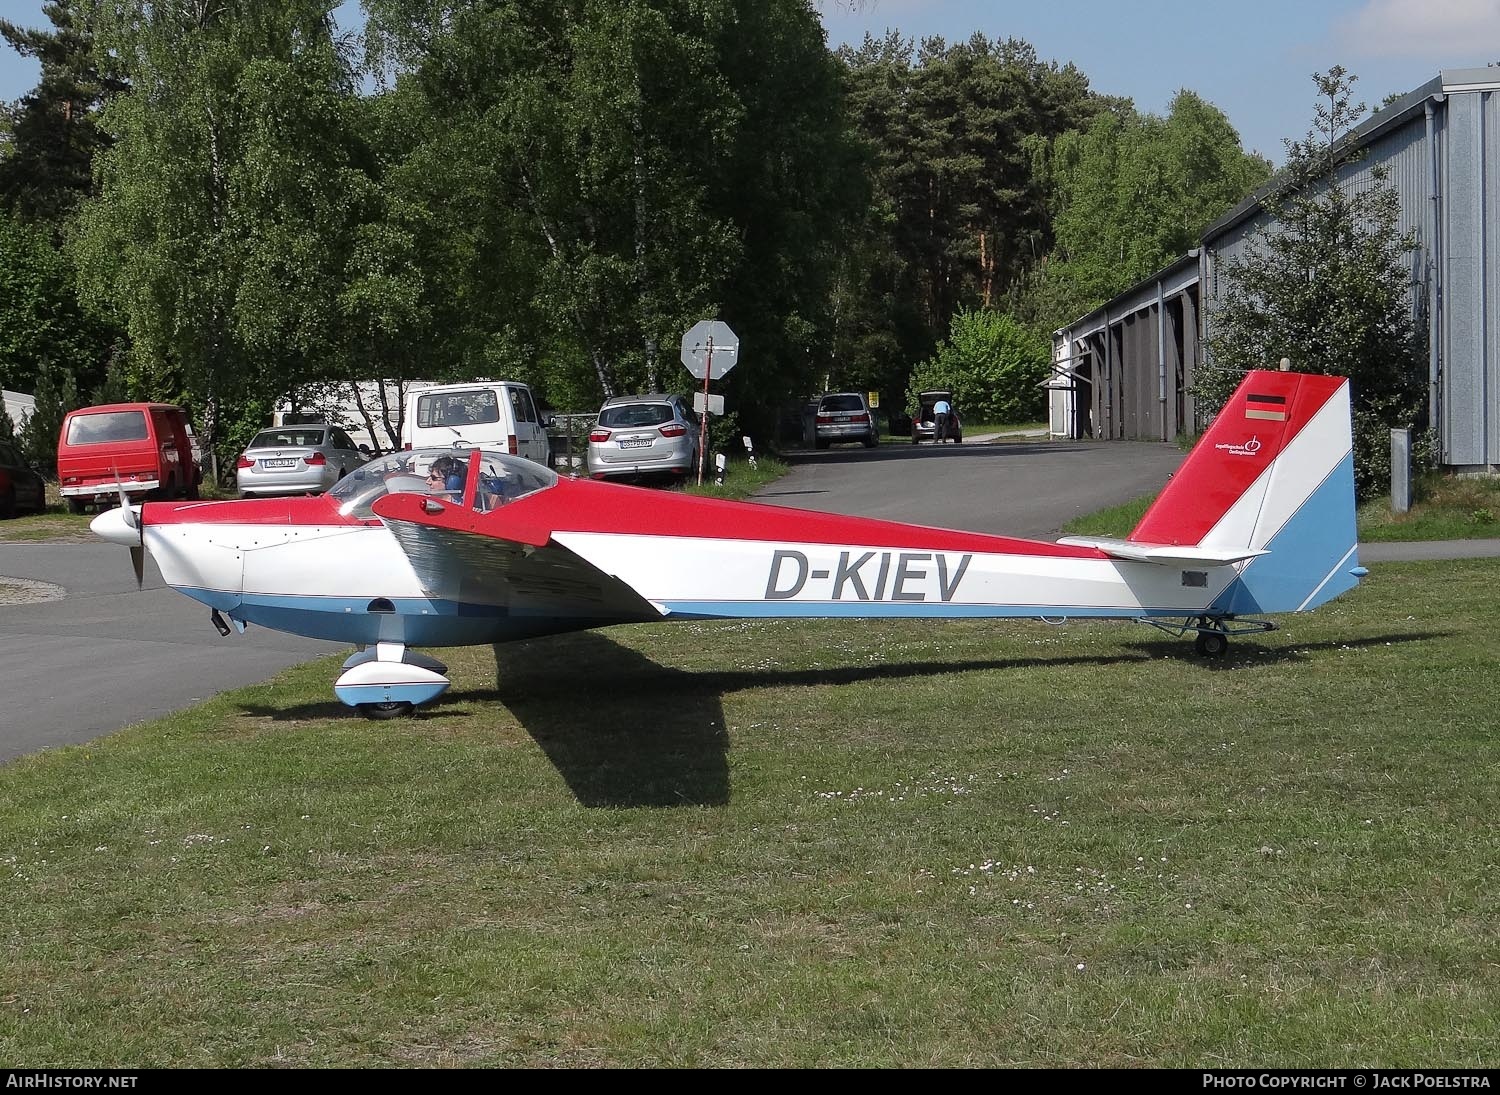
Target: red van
<point x="143" y="447"/>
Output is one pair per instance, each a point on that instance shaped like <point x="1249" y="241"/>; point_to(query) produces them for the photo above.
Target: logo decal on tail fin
<point x="1244" y="448"/>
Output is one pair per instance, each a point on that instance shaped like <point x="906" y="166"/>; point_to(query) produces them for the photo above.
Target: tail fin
<point x="1274" y="473"/>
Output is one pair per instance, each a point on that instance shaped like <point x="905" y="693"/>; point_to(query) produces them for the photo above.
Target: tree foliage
<point x="1327" y="285"/>
<point x="1132" y="193"/>
<point x="623" y="169"/>
<point x="47" y="168"/>
<point x="959" y="214"/>
<point x="554" y="191"/>
<point x="56" y="395"/>
<point x="41" y="323"/>
<point x="994" y="366"/>
<point x="225" y="199"/>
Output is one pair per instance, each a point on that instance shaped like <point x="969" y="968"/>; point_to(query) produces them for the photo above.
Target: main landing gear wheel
<point x="389" y="710"/>
<point x="1211" y="644"/>
<point x="387" y="681"/>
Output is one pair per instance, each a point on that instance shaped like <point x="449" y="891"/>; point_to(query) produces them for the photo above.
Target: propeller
<point x="123" y="526"/>
<point x="133" y="519"/>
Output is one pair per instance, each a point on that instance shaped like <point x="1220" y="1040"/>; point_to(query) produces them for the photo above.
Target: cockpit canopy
<point x="443" y="473"/>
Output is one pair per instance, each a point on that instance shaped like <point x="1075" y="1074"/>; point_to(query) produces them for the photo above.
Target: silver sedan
<point x="296" y="460"/>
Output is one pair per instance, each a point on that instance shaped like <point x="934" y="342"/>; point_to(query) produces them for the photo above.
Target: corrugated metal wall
<point x="1403" y="154"/>
<point x="1129" y="364"/>
<point x="1468" y="324"/>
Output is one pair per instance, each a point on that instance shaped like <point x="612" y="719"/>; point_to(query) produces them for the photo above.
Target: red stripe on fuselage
<point x="1232" y="455"/>
<point x="292" y="510"/>
<point x="582" y="505"/>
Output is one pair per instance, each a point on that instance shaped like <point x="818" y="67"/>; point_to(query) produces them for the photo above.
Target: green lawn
<point x="1445" y="508"/>
<point x="781" y="844"/>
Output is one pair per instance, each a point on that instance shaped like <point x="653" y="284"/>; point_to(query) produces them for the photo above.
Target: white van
<point x="482" y="412"/>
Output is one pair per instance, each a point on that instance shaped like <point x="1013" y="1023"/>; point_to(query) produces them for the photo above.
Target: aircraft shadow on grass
<point x="646" y="734"/>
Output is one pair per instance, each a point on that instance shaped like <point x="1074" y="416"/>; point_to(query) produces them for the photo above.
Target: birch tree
<point x="224" y="200"/>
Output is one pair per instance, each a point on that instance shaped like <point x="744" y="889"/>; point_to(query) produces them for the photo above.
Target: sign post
<point x="709" y="351"/>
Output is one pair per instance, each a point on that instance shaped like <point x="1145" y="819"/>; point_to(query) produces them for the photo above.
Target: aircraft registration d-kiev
<point x="1259" y="519"/>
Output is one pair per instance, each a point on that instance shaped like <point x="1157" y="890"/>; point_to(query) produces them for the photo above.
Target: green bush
<point x="994" y="367"/>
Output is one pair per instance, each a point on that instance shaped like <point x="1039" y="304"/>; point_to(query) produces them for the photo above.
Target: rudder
<point x="1273" y="473"/>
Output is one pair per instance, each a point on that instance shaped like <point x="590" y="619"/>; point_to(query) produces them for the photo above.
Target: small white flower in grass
<point x="102" y="848"/>
<point x="1080" y="965"/>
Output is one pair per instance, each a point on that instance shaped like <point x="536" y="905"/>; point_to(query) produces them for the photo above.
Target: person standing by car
<point x="940" y="412"/>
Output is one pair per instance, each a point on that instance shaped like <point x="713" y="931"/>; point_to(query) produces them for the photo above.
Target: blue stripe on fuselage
<point x="415" y="621"/>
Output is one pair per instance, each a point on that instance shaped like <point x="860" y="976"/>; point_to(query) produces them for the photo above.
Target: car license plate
<point x="279" y="463"/>
<point x="635" y="442"/>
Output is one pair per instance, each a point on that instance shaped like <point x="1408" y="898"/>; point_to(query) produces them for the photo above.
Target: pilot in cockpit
<point x="446" y="477"/>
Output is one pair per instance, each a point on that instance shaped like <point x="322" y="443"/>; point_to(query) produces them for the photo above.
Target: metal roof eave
<point x="1172" y="279"/>
<point x="1382" y="121"/>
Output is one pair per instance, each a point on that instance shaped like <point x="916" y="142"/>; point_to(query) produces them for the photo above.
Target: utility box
<point x="1400" y="471"/>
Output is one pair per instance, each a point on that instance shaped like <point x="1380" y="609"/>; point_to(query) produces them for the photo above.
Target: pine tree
<point x="48" y="168"/>
<point x="56" y="395"/>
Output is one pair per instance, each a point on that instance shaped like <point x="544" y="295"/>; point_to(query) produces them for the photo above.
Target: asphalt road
<point x="106" y="655"/>
<point x="1012" y="488"/>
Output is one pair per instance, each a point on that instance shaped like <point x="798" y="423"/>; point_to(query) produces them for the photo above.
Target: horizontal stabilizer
<point x="1164" y="554"/>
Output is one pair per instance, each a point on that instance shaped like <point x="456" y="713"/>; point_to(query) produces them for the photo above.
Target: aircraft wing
<point x="527" y="577"/>
<point x="1173" y="555"/>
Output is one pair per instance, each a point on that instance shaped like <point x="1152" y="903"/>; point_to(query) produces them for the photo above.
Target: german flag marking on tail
<point x="1271" y="408"/>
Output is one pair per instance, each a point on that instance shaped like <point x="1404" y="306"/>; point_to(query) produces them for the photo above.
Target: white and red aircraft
<point x="1259" y="519"/>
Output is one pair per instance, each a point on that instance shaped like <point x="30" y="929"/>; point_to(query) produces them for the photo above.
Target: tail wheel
<point x="1211" y="644"/>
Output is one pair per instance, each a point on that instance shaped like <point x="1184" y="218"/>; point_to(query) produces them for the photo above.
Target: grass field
<point x="1445" y="508"/>
<point x="780" y="844"/>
